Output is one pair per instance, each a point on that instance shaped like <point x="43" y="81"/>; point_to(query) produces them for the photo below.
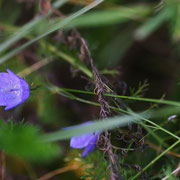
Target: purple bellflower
<point x="13" y="90"/>
<point x="86" y="141"/>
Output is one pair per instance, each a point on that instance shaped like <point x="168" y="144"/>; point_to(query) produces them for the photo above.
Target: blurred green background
<point x="135" y="46"/>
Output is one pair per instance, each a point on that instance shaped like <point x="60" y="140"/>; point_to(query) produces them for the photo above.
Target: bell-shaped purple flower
<point x="86" y="141"/>
<point x="13" y="90"/>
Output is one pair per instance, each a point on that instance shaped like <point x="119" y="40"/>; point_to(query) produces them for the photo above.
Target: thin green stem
<point x="75" y="62"/>
<point x="161" y="101"/>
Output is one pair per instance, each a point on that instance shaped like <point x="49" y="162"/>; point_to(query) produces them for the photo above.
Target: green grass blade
<point x="27" y="28"/>
<point x="56" y="26"/>
<point x="109" y="123"/>
<point x="153" y="114"/>
<point x="153" y="23"/>
<point x="156" y="159"/>
<point x="160" y="101"/>
<point x="75" y="62"/>
<point x="111" y="16"/>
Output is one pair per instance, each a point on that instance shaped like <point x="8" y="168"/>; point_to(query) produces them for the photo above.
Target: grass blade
<point x="27" y="28"/>
<point x="55" y="27"/>
<point x="109" y="123"/>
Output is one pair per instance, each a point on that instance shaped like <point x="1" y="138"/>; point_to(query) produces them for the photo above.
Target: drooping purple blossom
<point x="86" y="141"/>
<point x="13" y="90"/>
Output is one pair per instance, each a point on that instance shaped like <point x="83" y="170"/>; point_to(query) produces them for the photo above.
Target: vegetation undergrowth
<point x="115" y="63"/>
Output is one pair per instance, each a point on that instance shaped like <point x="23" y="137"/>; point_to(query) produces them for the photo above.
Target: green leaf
<point x="24" y="141"/>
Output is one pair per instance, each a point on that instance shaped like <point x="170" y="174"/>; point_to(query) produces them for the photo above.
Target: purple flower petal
<point x="88" y="150"/>
<point x="13" y="90"/>
<point x="81" y="141"/>
<point x="90" y="147"/>
<point x="24" y="86"/>
<point x="87" y="141"/>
